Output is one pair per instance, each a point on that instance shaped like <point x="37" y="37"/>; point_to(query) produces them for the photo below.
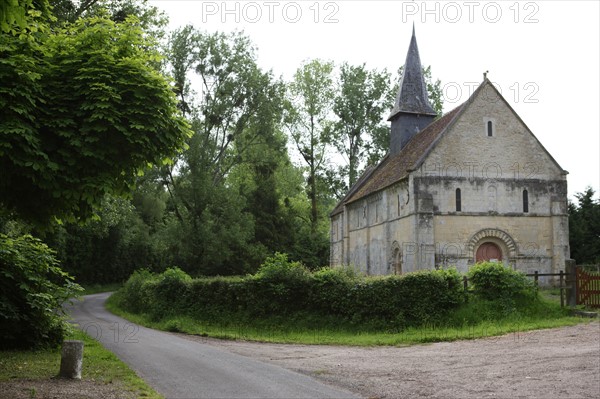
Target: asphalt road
<point x="180" y="368"/>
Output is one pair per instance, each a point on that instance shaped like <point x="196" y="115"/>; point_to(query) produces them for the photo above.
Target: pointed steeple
<point x="412" y="111"/>
<point x="412" y="94"/>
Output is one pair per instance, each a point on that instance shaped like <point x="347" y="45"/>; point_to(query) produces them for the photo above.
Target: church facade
<point x="472" y="185"/>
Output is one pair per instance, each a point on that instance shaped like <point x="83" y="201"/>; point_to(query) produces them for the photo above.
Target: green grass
<point x="476" y="319"/>
<point x="98" y="364"/>
<point x="97" y="288"/>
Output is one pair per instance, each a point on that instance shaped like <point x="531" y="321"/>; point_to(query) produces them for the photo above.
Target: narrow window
<point x="458" y="200"/>
<point x="489" y="128"/>
<point x="525" y="202"/>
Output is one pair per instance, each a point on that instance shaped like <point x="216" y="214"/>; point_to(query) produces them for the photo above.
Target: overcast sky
<point x="542" y="55"/>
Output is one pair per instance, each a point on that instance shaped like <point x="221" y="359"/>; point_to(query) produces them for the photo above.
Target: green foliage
<point x="362" y="99"/>
<point x="83" y="111"/>
<point x="32" y="291"/>
<point x="109" y="248"/>
<point x="20" y="16"/>
<point x="493" y="281"/>
<point x="133" y="293"/>
<point x="584" y="228"/>
<point x="308" y="105"/>
<point x="223" y="189"/>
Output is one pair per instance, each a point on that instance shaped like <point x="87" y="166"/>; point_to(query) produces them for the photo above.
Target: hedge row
<point x="283" y="288"/>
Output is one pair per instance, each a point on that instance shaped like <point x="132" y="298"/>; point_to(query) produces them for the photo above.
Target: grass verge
<point x="99" y="365"/>
<point x="305" y="330"/>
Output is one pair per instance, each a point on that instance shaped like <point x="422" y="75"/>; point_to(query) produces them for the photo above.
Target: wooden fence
<point x="579" y="286"/>
<point x="588" y="287"/>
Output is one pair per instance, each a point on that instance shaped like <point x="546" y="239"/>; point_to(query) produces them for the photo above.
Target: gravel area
<point x="554" y="363"/>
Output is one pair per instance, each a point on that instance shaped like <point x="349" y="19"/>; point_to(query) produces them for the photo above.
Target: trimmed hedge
<point x="286" y="289"/>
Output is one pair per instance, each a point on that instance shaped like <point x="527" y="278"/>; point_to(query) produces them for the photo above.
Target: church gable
<point x="489" y="141"/>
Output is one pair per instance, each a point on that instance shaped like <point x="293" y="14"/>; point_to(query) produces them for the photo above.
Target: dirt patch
<point x="555" y="363"/>
<point x="60" y="388"/>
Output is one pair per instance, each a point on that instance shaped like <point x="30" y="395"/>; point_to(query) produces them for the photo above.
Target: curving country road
<point x="181" y="368"/>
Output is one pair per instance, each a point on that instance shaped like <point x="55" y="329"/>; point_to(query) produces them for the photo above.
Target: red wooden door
<point x="488" y="251"/>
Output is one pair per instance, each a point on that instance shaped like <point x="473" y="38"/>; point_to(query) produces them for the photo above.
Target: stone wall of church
<point x="375" y="226"/>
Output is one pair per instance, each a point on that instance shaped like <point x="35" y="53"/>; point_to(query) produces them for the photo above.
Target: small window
<point x="525" y="201"/>
<point x="490" y="128"/>
<point x="458" y="200"/>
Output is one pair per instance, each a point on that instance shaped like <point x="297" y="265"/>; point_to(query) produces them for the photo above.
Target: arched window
<point x="525" y="201"/>
<point x="489" y="128"/>
<point x="458" y="200"/>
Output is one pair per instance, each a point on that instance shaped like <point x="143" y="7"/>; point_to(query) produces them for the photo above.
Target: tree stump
<point x="71" y="359"/>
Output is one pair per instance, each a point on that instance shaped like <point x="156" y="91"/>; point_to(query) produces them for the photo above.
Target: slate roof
<point x="395" y="168"/>
<point x="412" y="93"/>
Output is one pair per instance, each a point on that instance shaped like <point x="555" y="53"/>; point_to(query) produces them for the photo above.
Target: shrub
<point x="495" y="282"/>
<point x="33" y="289"/>
<point x="280" y="286"/>
<point x="134" y="295"/>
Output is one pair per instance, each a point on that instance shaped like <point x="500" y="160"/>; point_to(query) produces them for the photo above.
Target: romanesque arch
<point x="495" y="237"/>
<point x="396" y="261"/>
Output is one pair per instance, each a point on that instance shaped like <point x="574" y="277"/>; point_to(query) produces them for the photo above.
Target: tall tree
<point x="362" y="98"/>
<point x="83" y="110"/>
<point x="584" y="228"/>
<point x="234" y="109"/>
<point x="309" y="108"/>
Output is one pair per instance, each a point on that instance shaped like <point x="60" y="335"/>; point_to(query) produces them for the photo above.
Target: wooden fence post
<point x="535" y="278"/>
<point x="562" y="287"/>
<point x="571" y="282"/>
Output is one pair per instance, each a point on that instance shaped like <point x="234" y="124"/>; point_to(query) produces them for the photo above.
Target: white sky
<point x="543" y="55"/>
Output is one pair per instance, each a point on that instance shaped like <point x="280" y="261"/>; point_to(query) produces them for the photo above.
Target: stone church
<point x="472" y="185"/>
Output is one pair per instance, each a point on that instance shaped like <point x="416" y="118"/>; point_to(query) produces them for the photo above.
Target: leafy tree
<point x="32" y="291"/>
<point x="235" y="114"/>
<point x="151" y="19"/>
<point x="362" y="98"/>
<point x="584" y="228"/>
<point x="20" y="15"/>
<point x="83" y="109"/>
<point x="310" y="103"/>
<point x="82" y="112"/>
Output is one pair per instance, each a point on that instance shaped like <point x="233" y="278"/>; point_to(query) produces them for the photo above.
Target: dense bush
<point x="286" y="289"/>
<point x="495" y="282"/>
<point x="32" y="291"/>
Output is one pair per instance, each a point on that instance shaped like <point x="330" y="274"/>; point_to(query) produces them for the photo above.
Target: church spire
<point x="412" y="95"/>
<point x="412" y="110"/>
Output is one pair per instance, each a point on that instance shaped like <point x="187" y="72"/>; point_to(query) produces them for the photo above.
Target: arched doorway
<point x="488" y="251"/>
<point x="397" y="261"/>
